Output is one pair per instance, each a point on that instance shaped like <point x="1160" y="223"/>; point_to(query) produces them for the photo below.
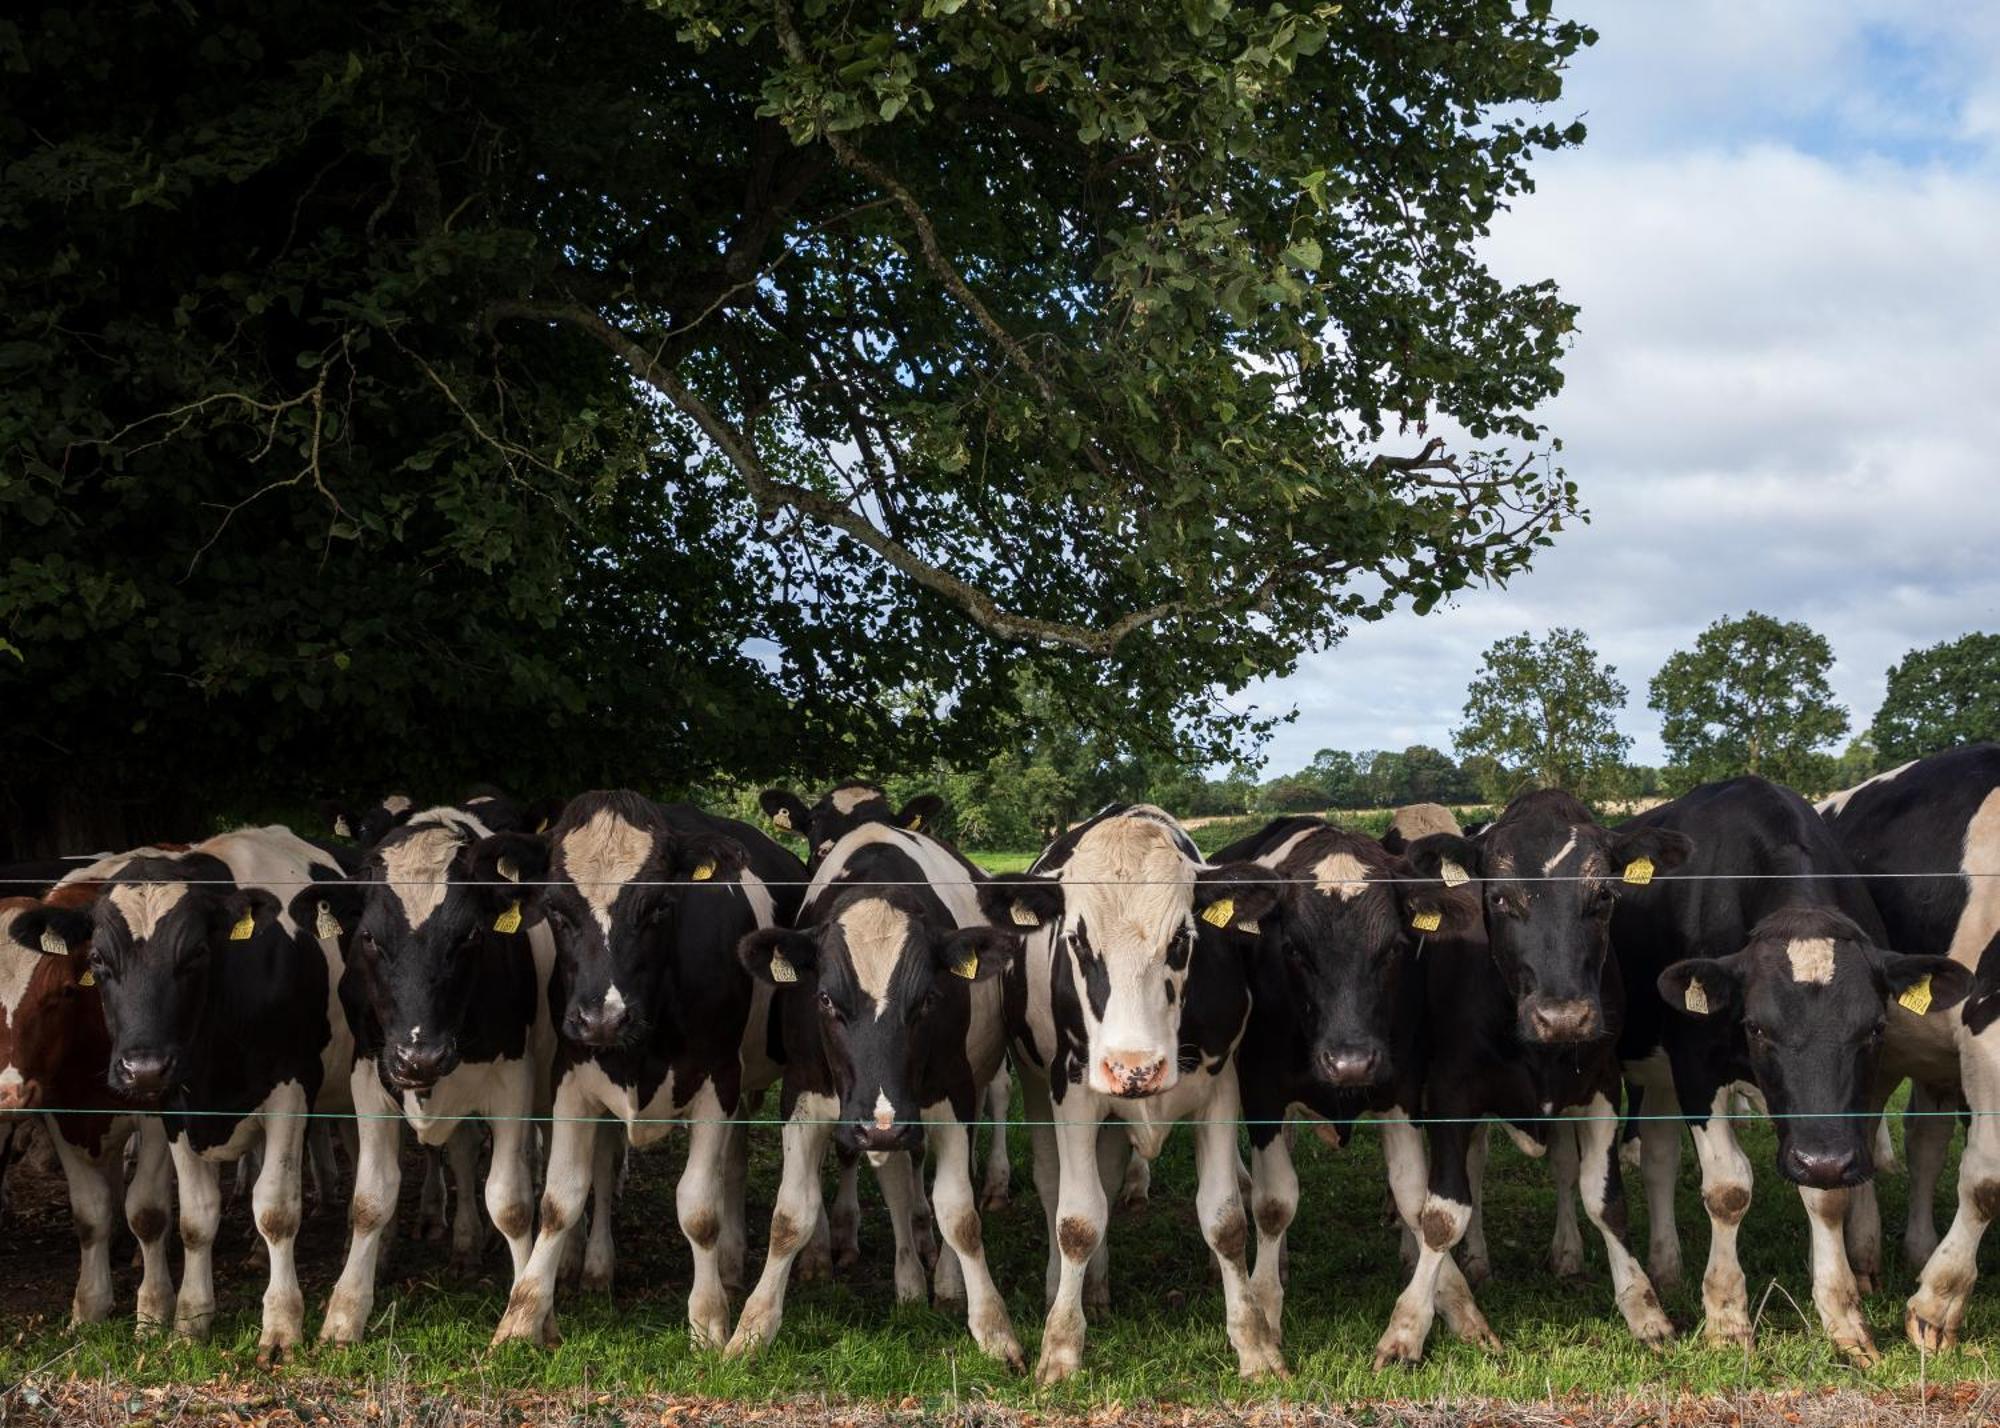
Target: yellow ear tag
<point x="782" y="818"/>
<point x="1917" y="996"/>
<point x="1639" y="872"/>
<point x="1023" y="916"/>
<point x="340" y="828"/>
<point x="703" y="872"/>
<point x="916" y="822"/>
<point x="782" y="970"/>
<point x="1696" y="1000"/>
<point x="1453" y="875"/>
<point x="88" y="979"/>
<point x="510" y="920"/>
<point x="1428" y="921"/>
<point x="245" y="929"/>
<point x="326" y="927"/>
<point x="1218" y="913"/>
<point x="966" y="967"/>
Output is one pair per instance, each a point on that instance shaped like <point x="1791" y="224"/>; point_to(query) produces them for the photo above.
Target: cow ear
<point x="1702" y="986"/>
<point x="54" y="930"/>
<point x="1925" y="984"/>
<point x="1238" y="895"/>
<point x="778" y="955"/>
<point x="1431" y="907"/>
<point x="1021" y="900"/>
<point x="541" y="815"/>
<point x="241" y="914"/>
<point x="1635" y="854"/>
<point x="510" y="858"/>
<point x="921" y="814"/>
<point x="785" y="809"/>
<point x="976" y="953"/>
<point x="329" y="910"/>
<point x="706" y="857"/>
<point x="1449" y="858"/>
<point x="343" y="820"/>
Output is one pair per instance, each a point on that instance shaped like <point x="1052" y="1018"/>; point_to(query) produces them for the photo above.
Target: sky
<point x="1784" y="395"/>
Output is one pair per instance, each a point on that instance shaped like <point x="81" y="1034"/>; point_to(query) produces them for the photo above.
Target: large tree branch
<point x="772" y="493"/>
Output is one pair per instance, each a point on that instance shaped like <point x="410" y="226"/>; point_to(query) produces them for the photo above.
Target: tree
<point x="414" y="391"/>
<point x="1857" y="763"/>
<point x="1750" y="697"/>
<point x="1430" y="776"/>
<point x="1546" y="713"/>
<point x="1939" y="698"/>
<point x="1341" y="776"/>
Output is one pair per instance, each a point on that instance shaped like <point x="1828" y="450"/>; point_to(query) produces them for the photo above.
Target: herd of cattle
<point x="503" y="986"/>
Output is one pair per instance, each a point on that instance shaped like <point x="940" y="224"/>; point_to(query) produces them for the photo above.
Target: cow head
<point x="625" y="901"/>
<point x="1549" y="874"/>
<point x="842" y="810"/>
<point x="157" y="931"/>
<point x="889" y="980"/>
<point x="1810" y="994"/>
<point x="367" y="823"/>
<point x="420" y="929"/>
<point x="49" y="1010"/>
<point x="1350" y="930"/>
<point x="1128" y="909"/>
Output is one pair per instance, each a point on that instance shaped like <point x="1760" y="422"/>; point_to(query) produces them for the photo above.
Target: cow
<point x="1415" y="820"/>
<point x="447" y="998"/>
<point x="53" y="1050"/>
<point x="224" y="1018"/>
<point x="1768" y="971"/>
<point x="366" y="824"/>
<point x="1337" y="1028"/>
<point x="1135" y="994"/>
<point x="1933" y="827"/>
<point x="889" y="1001"/>
<point x="655" y="1017"/>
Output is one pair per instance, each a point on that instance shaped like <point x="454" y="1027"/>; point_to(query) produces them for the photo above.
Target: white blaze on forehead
<point x="396" y="803"/>
<point x="1811" y="959"/>
<point x="416" y="864"/>
<point x="1341" y="874"/>
<point x="145" y="905"/>
<point x="1563" y="852"/>
<point x="885" y="1114"/>
<point x="1131" y="886"/>
<point x="601" y="857"/>
<point x="875" y="932"/>
<point x="846" y="800"/>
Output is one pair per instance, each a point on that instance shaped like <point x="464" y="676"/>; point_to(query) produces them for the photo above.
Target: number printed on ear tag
<point x="326" y="927"/>
<point x="1639" y="872"/>
<point x="245" y="928"/>
<point x="1917" y="996"/>
<point x="510" y="920"/>
<point x="782" y="970"/>
<point x="1453" y="874"/>
<point x="1218" y="913"/>
<point x="1428" y="921"/>
<point x="1696" y="999"/>
<point x="1023" y="916"/>
<point x="52" y="943"/>
<point x="966" y="967"/>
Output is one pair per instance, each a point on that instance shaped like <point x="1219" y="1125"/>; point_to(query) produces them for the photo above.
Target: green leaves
<point x="1939" y="697"/>
<point x="1750" y="697"/>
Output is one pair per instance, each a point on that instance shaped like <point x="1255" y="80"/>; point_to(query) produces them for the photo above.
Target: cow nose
<point x="140" y="1073"/>
<point x="1563" y="1021"/>
<point x="1349" y="1067"/>
<point x="1822" y="1169"/>
<point x="1133" y="1073"/>
<point x="601" y="1025"/>
<point x="874" y="1139"/>
<point x="416" y="1066"/>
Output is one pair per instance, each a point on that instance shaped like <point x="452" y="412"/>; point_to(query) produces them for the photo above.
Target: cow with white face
<point x="449" y="1007"/>
<point x="225" y="1016"/>
<point x="891" y="1013"/>
<point x="1134" y="996"/>
<point x="657" y="1023"/>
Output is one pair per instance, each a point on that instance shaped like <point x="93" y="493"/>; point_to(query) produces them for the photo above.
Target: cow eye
<point x="1755" y="1031"/>
<point x="826" y="1005"/>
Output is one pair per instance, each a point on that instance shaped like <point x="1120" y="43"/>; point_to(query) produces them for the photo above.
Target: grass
<point x="1162" y="1340"/>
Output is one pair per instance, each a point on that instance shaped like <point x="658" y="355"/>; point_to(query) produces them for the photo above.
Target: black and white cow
<point x="890" y="1008"/>
<point x="1935" y="825"/>
<point x="655" y="1017"/>
<point x="1337" y="1028"/>
<point x="447" y="997"/>
<point x="226" y="1017"/>
<point x="1523" y="1016"/>
<point x="1772" y="979"/>
<point x="1135" y="992"/>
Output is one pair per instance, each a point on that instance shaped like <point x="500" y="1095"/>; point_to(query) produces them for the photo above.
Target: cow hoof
<point x="1397" y="1349"/>
<point x="1864" y="1284"/>
<point x="814" y="1262"/>
<point x="1057" y="1363"/>
<point x="846" y="1256"/>
<point x="1477" y="1270"/>
<point x="753" y="1332"/>
<point x="1261" y="1361"/>
<point x="464" y="1263"/>
<point x="522" y="1328"/>
<point x="1927" y="1336"/>
<point x="595" y="1281"/>
<point x="1860" y="1352"/>
<point x="993" y="1197"/>
<point x="193" y="1330"/>
<point x="1665" y="1274"/>
<point x="271" y="1353"/>
<point x="1728" y="1334"/>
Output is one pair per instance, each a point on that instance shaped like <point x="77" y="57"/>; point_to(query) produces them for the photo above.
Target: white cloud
<point x="1781" y="396"/>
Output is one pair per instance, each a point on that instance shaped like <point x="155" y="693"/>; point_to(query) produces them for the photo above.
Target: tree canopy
<point x="1938" y="698"/>
<point x="586" y="392"/>
<point x="1750" y="697"/>
<point x="1546" y="713"/>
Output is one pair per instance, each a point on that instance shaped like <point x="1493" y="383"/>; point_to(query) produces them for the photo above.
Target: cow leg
<point x="93" y="1200"/>
<point x="1474" y="1260"/>
<point x="1660" y="1169"/>
<point x="901" y="1188"/>
<point x="531" y="1312"/>
<point x="1725" y="1193"/>
<point x="149" y="1201"/>
<point x="733" y="1247"/>
<point x="378" y="1176"/>
<point x="923" y="1231"/>
<point x="599" y="1256"/>
<point x="1274" y="1202"/>
<point x="844" y="1221"/>
<point x="958" y="1221"/>
<point x="1115" y="1158"/>
<point x="1937" y="1309"/>
<point x="1446" y="1211"/>
<point x="1082" y="1208"/>
<point x="461" y="1155"/>
<point x="1566" y="1250"/>
<point x="1926" y="1141"/>
<point x="1862" y="1230"/>
<point x="698" y="1203"/>
<point x="510" y="1190"/>
<point x="994" y="1191"/>
<point x="199" y="1183"/>
<point x="1835" y="1293"/>
<point x="948" y="1274"/>
<point x="1219" y="1205"/>
<point x="1036" y="1111"/>
<point x="433" y="1200"/>
<point x="805" y="1138"/>
<point x="1137" y="1187"/>
<point x="1403" y="1153"/>
<point x="277" y="1199"/>
<point x="1602" y="1185"/>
